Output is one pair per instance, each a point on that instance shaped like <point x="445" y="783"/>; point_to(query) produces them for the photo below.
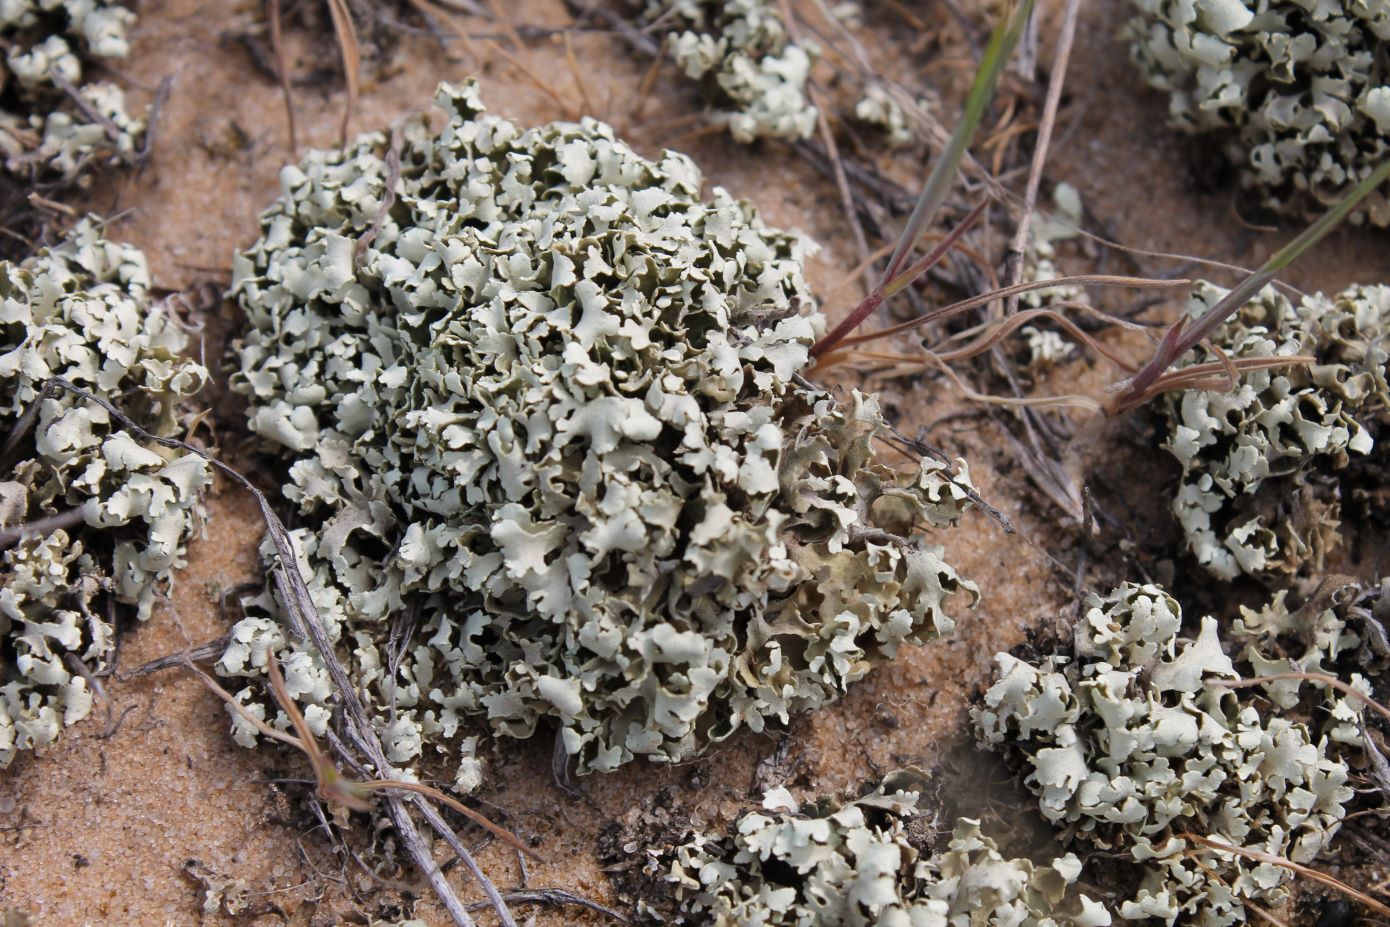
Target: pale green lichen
<point x="546" y="432"/>
<point x="1043" y="347"/>
<point x="82" y="311"/>
<point x="1339" y="631"/>
<point x="49" y="45"/>
<point x="1258" y="494"/>
<point x="1047" y="230"/>
<point x="1303" y="86"/>
<point x="1129" y="744"/>
<point x="745" y="62"/>
<point x="862" y="863"/>
<point x="878" y="110"/>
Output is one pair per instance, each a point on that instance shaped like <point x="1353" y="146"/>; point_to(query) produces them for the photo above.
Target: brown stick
<point x="956" y="308"/>
<point x="304" y="622"/>
<point x="1019" y="245"/>
<point x="41" y="527"/>
<point x="282" y="70"/>
<point x="352" y="59"/>
<point x="1315" y="875"/>
<point x="828" y="139"/>
<point x="1320" y="678"/>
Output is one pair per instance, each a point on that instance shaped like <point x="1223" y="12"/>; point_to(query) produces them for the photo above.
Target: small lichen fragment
<point x="878" y="110"/>
<point x="544" y="427"/>
<point x="82" y="310"/>
<point x="863" y="863"/>
<point x="64" y="125"/>
<point x="1131" y="743"/>
<point x="1258" y="493"/>
<point x="745" y="62"/>
<point x="1301" y="89"/>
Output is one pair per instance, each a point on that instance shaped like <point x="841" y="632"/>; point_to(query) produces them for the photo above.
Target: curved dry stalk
<point x="42" y="526"/>
<point x="1320" y="678"/>
<point x="861" y="242"/>
<point x="335" y="788"/>
<point x="429" y="791"/>
<point x="1069" y="401"/>
<point x="997" y="331"/>
<point x="1271" y="859"/>
<point x="882" y="292"/>
<point x="1213" y="375"/>
<point x="1055" y="82"/>
<point x="557" y="897"/>
<point x="946" y="312"/>
<point x="1216" y="877"/>
<point x="351" y="51"/>
<point x="282" y="72"/>
<point x="859" y="270"/>
<point x="245" y="714"/>
<point x="306" y="625"/>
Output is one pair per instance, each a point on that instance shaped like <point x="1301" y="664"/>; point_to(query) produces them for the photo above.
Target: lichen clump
<point x="1131" y="745"/>
<point x="82" y="311"/>
<point x="550" y="451"/>
<point x="864" y="863"/>
<point x="48" y="45"/>
<point x="1302" y="87"/>
<point x="745" y="62"/>
<point x="1258" y="494"/>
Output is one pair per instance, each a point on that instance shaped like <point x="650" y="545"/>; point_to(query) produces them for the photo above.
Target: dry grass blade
<point x="946" y="312"/>
<point x="1182" y="337"/>
<point x="282" y="69"/>
<point x="94" y="115"/>
<point x="388" y="197"/>
<point x="431" y="11"/>
<point x="861" y="242"/>
<point x="840" y="333"/>
<point x="511" y="839"/>
<point x="346" y="33"/>
<point x="41" y="527"/>
<point x="1055" y="83"/>
<point x="1001" y="329"/>
<point x="1072" y="401"/>
<point x="1001" y="45"/>
<point x="265" y="729"/>
<point x="557" y="897"/>
<point x="898" y="274"/>
<point x="1271" y="859"/>
<point x="1216" y="375"/>
<point x="1321" y="679"/>
<point x="334" y="788"/>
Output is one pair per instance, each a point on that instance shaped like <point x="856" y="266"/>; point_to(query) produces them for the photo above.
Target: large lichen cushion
<point x="1260" y="493"/>
<point x="1300" y="90"/>
<point x="551" y="455"/>
<point x="1133" y="745"/>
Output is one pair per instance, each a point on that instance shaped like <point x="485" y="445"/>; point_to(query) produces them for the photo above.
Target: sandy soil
<point x="99" y="829"/>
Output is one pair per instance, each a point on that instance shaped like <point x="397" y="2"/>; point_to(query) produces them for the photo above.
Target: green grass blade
<point x="1001" y="45"/>
<point x="1174" y="348"/>
<point x="1284" y="257"/>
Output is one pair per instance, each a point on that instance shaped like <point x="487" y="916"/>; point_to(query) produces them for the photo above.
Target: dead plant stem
<point x="1019" y="245"/>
